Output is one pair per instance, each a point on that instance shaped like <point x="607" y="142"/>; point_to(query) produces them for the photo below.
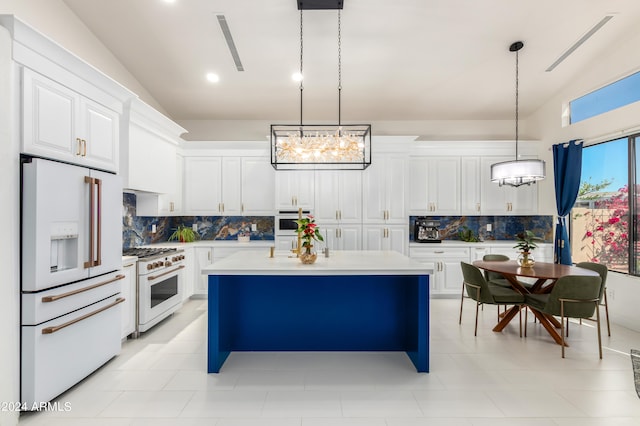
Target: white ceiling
<point x="402" y="59"/>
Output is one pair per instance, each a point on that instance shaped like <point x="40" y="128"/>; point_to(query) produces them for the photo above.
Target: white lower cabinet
<point x="189" y="274"/>
<point x="445" y="261"/>
<point x="128" y="291"/>
<point x="385" y="237"/>
<point x="286" y="243"/>
<point x="203" y="257"/>
<point x="341" y="237"/>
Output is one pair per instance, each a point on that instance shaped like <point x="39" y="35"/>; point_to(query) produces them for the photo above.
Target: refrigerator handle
<point x="95" y="221"/>
<point x="98" y="260"/>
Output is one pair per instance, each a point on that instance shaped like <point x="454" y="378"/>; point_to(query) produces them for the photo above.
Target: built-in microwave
<point x="285" y="224"/>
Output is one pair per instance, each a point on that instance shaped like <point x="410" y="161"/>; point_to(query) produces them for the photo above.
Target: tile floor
<point x="495" y="379"/>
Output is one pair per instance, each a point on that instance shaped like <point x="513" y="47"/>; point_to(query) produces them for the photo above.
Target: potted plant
<point x="526" y="243"/>
<point x="309" y="231"/>
<point x="183" y="234"/>
<point x="466" y="234"/>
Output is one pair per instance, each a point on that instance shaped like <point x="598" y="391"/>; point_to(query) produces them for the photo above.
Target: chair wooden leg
<point x="606" y="312"/>
<point x="598" y="325"/>
<point x="568" y="326"/>
<point x="526" y="317"/>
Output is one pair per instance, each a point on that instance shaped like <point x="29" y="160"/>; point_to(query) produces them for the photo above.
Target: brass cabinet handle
<point x="84" y="148"/>
<point x="242" y="207"/>
<point x="79" y="146"/>
<point x="478" y="207"/>
<point x="51" y="330"/>
<point x="171" y="206"/>
<point x="53" y="298"/>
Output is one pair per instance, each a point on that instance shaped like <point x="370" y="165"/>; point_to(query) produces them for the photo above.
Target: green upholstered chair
<point x="496" y="277"/>
<point x="483" y="292"/>
<point x="571" y="297"/>
<point x="602" y="270"/>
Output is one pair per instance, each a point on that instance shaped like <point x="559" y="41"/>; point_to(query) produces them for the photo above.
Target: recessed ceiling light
<point x="169" y="1"/>
<point x="296" y="76"/>
<point x="213" y="77"/>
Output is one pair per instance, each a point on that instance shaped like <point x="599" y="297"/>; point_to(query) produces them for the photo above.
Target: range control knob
<point x="167" y="263"/>
<point x="150" y="266"/>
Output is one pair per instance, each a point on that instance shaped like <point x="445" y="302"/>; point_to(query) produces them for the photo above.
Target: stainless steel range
<point x="160" y="284"/>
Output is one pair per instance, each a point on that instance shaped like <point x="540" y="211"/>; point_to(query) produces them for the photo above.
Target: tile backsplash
<point x="502" y="227"/>
<point x="138" y="230"/>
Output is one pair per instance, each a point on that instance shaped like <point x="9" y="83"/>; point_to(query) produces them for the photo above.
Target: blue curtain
<point x="567" y="168"/>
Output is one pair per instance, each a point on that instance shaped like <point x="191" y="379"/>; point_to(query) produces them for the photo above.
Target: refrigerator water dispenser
<point x="64" y="246"/>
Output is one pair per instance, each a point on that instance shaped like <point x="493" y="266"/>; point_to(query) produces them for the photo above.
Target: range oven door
<point x="160" y="294"/>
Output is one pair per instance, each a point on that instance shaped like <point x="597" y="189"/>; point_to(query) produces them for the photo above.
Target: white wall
<point x="55" y="20"/>
<point x="621" y="60"/>
<point x="10" y="243"/>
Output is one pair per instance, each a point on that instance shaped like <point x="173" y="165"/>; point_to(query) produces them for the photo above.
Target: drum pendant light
<point x="518" y="172"/>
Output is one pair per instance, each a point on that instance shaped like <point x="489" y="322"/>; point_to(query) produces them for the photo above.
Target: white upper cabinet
<point x="505" y="200"/>
<point x="338" y="196"/>
<point x="434" y="186"/>
<point x="202" y="185"/>
<point x="231" y="187"/>
<point x="258" y="186"/>
<point x="61" y="124"/>
<point x="383" y="190"/>
<point x="294" y="189"/>
<point x="228" y="186"/>
<point x="169" y="204"/>
<point x="150" y="143"/>
<point x="470" y="198"/>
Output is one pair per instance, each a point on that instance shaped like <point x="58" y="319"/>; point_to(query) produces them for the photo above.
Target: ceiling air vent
<point x="578" y="43"/>
<point x="232" y="46"/>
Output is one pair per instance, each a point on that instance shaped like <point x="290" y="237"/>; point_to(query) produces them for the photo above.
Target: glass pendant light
<point x="321" y="147"/>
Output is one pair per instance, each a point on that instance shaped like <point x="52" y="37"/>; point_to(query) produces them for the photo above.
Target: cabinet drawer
<point x="439" y="252"/>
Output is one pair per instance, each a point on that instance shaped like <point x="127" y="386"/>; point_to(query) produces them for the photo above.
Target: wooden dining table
<point x="545" y="275"/>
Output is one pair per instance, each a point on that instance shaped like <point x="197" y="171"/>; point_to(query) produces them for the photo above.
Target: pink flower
<point x="589" y="233"/>
<point x="614" y="220"/>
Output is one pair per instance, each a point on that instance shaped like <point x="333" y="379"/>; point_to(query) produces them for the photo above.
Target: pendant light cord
<point x="301" y="75"/>
<point x="339" y="69"/>
<point x="517" y="95"/>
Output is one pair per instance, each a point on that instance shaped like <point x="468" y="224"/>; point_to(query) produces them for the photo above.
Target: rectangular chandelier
<point x="320" y="147"/>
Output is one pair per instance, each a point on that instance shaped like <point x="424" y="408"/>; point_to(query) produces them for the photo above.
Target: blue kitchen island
<point x="351" y="301"/>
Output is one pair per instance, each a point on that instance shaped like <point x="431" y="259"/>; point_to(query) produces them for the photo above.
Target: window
<point x="615" y="95"/>
<point x="600" y="219"/>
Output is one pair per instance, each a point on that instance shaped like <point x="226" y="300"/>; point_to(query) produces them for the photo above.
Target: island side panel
<point x="218" y="331"/>
<point x="418" y="323"/>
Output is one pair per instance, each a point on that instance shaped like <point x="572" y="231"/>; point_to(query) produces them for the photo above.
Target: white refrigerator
<point x="70" y="284"/>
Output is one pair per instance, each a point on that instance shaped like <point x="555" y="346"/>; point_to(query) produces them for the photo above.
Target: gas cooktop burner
<point x="141" y="252"/>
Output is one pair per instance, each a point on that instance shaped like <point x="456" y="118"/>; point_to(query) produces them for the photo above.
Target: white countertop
<point x="453" y="243"/>
<point x="127" y="260"/>
<point x="258" y="262"/>
<point x="215" y="243"/>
